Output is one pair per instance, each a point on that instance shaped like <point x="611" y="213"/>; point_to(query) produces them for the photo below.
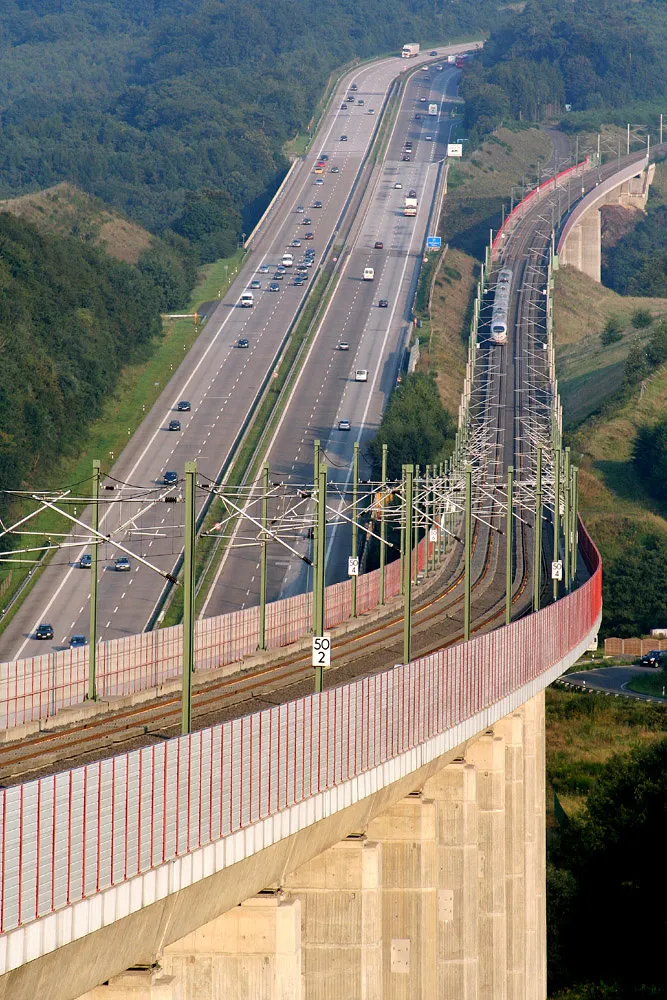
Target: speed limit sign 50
<point x="321" y="650"/>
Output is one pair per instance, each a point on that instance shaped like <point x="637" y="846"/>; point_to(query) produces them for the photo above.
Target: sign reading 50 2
<point x="322" y="650"/>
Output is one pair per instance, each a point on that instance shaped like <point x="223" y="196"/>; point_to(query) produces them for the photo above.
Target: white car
<point x="344" y="425"/>
<point x="398" y="186"/>
<point x="361" y="375"/>
<point x="429" y="138"/>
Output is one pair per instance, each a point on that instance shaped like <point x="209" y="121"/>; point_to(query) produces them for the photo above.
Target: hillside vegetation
<point x="176" y="112"/>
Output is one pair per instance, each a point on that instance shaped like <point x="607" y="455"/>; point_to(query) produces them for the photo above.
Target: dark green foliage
<point x="70" y="317"/>
<point x="606" y="884"/>
<point x="637" y="264"/>
<point x="612" y="332"/>
<point x="636" y="365"/>
<point x="641" y="319"/>
<point x="415" y="427"/>
<point x="210" y="224"/>
<point x="171" y="265"/>
<point x="592" y="54"/>
<point x="635" y="587"/>
<point x="143" y="103"/>
<point x="650" y="458"/>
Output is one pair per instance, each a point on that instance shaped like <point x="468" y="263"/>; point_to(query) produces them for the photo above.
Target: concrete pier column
<point x="533" y="763"/>
<point x="252" y="952"/>
<point x="407" y="834"/>
<point x="341" y="921"/>
<point x="488" y="755"/>
<point x="511" y="730"/>
<point x="454" y="791"/>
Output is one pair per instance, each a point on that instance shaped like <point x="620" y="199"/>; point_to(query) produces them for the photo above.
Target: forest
<point x="70" y="317"/>
<point x="596" y="54"/>
<point x="153" y="104"/>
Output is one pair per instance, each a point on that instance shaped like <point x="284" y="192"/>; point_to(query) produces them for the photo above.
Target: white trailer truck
<point x="410" y="50"/>
<point x="410" y="206"/>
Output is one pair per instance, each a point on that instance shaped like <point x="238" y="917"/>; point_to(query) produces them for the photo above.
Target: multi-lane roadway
<point x="326" y="392"/>
<point x="221" y="381"/>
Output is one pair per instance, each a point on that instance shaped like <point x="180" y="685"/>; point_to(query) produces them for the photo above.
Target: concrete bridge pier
<point x="439" y="897"/>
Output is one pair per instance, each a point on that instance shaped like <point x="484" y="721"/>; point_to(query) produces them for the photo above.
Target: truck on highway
<point x="460" y="62"/>
<point x="451" y="60"/>
<point x="369" y="273"/>
<point x="433" y="109"/>
<point x="247" y="300"/>
<point x="410" y="206"/>
<point x="288" y="260"/>
<point x="410" y="50"/>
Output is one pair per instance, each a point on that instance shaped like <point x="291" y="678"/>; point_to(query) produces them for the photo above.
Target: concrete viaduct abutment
<point x="440" y="894"/>
<point x="580" y="241"/>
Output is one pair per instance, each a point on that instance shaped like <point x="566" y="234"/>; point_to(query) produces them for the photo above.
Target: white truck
<point x="451" y="60"/>
<point x="288" y="260"/>
<point x="247" y="300"/>
<point x="410" y="206"/>
<point x="410" y="50"/>
<point x="433" y="109"/>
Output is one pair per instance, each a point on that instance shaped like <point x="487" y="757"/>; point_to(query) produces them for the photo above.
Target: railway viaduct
<point x="384" y="838"/>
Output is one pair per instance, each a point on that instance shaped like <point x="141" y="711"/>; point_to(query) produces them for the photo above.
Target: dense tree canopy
<point x="70" y="317"/>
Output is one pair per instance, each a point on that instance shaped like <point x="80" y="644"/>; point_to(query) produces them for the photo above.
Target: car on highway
<point x="306" y="221"/>
<point x="343" y="346"/>
<point x="278" y="276"/>
<point x="371" y="111"/>
<point x="296" y="243"/>
<point x="406" y="157"/>
<point x="418" y="118"/>
<point x="360" y="102"/>
<point x="86" y="561"/>
<point x="354" y="88"/>
<point x="44" y="631"/>
<point x="122" y="565"/>
<point x="300" y="209"/>
<point x="422" y="100"/>
<point x="428" y="138"/>
<point x="654" y="658"/>
<point x="335" y="170"/>
<point x="170" y="477"/>
<point x="274" y="287"/>
<point x="77" y="641"/>
<point x="383" y="304"/>
<point x="183" y="406"/>
<point x="343" y="138"/>
<point x="398" y="186"/>
<point x="255" y="283"/>
<point x="361" y="375"/>
<point x="439" y="68"/>
<point x="174" y="425"/>
<point x="350" y="99"/>
<point x="324" y="157"/>
<point x="344" y="425"/>
<point x="343" y="107"/>
<point x="319" y="181"/>
<point x="434" y="53"/>
<point x="317" y="204"/>
<point x="309" y="236"/>
<point x="379" y="245"/>
<point x="243" y="342"/>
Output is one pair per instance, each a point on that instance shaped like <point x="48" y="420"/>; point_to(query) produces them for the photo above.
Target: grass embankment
<point x="478" y="187"/>
<point x="64" y="210"/>
<point x="584" y="730"/>
<point x="588" y="371"/>
<point x="138" y="387"/>
<point x="653" y="684"/>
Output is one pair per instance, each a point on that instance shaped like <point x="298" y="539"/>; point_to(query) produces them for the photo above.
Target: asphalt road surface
<point x="221" y="381"/>
<point x="326" y="391"/>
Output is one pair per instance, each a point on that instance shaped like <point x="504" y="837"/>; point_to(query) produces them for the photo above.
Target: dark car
<point x="306" y="221"/>
<point x="309" y="236"/>
<point x="434" y="53"/>
<point x="354" y="87"/>
<point x="174" y="425"/>
<point x="383" y="304"/>
<point x="122" y="564"/>
<point x="418" y="118"/>
<point x="343" y="107"/>
<point x="183" y="406"/>
<point x="654" y="658"/>
<point x="412" y="193"/>
<point x="274" y="287"/>
<point x="324" y="157"/>
<point x="44" y="631"/>
<point x="77" y="641"/>
<point x="406" y="157"/>
<point x="317" y="204"/>
<point x="86" y="561"/>
<point x="170" y="478"/>
<point x="335" y="170"/>
<point x="278" y="276"/>
<point x="343" y="138"/>
<point x="379" y="245"/>
<point x="243" y="342"/>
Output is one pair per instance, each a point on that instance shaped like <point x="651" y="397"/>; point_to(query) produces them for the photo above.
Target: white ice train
<point x="501" y="301"/>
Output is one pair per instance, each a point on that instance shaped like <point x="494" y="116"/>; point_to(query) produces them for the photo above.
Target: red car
<point x="379" y="245"/>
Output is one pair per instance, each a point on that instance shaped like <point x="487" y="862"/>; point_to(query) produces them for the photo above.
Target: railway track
<point x="437" y="618"/>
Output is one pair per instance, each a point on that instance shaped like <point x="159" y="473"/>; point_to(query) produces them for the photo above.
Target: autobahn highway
<point x="326" y="391"/>
<point x="220" y="380"/>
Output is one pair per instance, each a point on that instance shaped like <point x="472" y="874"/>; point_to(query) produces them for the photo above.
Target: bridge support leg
<point x="454" y="791"/>
<point x="340" y="893"/>
<point x="407" y="834"/>
<point x="488" y="756"/>
<point x="535" y="826"/>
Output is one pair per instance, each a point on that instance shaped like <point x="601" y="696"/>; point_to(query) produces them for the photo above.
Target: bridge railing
<point x="38" y="687"/>
<point x="69" y="836"/>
